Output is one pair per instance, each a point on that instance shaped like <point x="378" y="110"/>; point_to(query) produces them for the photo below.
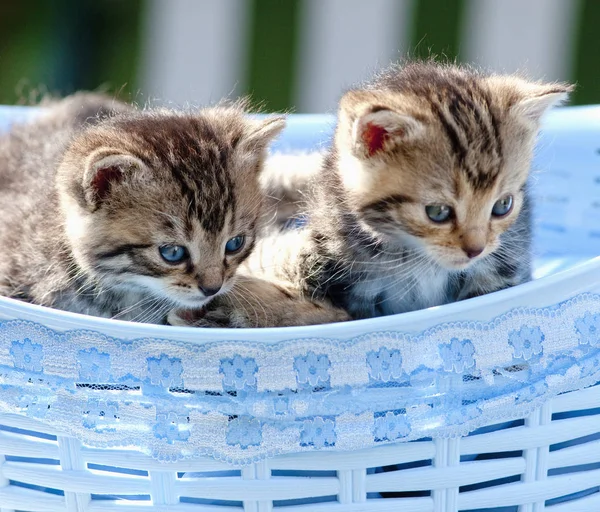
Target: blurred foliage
<point x="586" y="69"/>
<point x="272" y="67"/>
<point x="437" y="29"/>
<point x="60" y="46"/>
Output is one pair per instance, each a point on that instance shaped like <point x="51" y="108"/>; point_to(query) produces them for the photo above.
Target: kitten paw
<point x="216" y="317"/>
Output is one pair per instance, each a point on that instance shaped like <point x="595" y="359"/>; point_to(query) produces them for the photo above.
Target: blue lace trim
<point x="241" y="402"/>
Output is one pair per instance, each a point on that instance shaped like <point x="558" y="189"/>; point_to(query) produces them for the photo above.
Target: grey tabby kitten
<point x="114" y="212"/>
<point x="422" y="199"/>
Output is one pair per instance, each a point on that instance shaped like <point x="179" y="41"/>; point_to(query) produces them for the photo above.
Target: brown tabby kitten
<point x="128" y="213"/>
<point x="422" y="199"/>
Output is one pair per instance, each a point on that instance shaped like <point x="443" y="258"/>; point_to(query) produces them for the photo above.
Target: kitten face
<point x="166" y="203"/>
<point x="441" y="165"/>
<point x="153" y="242"/>
<point x="469" y="229"/>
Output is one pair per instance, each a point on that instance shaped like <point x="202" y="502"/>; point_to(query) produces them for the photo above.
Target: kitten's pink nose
<point x="473" y="252"/>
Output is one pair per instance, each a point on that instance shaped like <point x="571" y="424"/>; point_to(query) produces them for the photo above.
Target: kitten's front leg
<point x="217" y="316"/>
<point x="481" y="285"/>
<point x="493" y="277"/>
<point x="255" y="302"/>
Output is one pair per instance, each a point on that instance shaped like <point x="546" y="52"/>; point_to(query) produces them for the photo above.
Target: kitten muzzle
<point x="209" y="291"/>
<point x="473" y="251"/>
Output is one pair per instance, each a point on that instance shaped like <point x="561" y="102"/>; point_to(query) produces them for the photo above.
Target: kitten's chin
<point x="455" y="264"/>
<point x="199" y="301"/>
<point x="191" y="303"/>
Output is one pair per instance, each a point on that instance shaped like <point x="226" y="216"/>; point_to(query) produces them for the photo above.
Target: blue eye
<point x="438" y="212"/>
<point x="235" y="244"/>
<point x="502" y="206"/>
<point x="173" y="253"/>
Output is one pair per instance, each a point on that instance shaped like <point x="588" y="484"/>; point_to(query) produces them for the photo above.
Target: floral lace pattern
<point x="241" y="402"/>
<point x="238" y="373"/>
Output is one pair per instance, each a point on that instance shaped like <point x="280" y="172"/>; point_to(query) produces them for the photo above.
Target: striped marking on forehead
<point x="471" y="125"/>
<point x="196" y="155"/>
<point x="384" y="204"/>
<point x="208" y="190"/>
<point x="199" y="160"/>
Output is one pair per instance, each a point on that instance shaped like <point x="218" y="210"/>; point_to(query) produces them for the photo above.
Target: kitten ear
<point x="104" y="170"/>
<point x="380" y="129"/>
<point x="539" y="98"/>
<point x="261" y="132"/>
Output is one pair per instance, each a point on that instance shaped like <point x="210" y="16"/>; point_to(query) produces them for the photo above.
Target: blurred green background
<point x="60" y="46"/>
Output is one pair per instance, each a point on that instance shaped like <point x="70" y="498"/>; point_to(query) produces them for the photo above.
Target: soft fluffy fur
<point x="418" y="135"/>
<point x="285" y="181"/>
<point x="91" y="189"/>
<point x="256" y="302"/>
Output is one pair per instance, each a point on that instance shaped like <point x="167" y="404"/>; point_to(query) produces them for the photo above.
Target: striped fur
<point x="418" y="135"/>
<point x="87" y="200"/>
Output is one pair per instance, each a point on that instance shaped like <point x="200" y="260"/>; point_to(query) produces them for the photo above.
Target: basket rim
<point x="409" y="322"/>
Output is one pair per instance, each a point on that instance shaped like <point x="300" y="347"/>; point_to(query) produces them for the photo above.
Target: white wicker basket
<point x="540" y="453"/>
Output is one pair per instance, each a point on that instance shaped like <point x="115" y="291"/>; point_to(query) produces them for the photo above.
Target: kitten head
<point x="437" y="157"/>
<point x="166" y="202"/>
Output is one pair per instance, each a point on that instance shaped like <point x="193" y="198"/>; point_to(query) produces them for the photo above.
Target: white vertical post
<point x="249" y="473"/>
<point x="163" y="488"/>
<point x="440" y="461"/>
<point x="71" y="459"/>
<point x="345" y="494"/>
<point x="535" y="36"/>
<point x="543" y="453"/>
<point x="536" y="459"/>
<point x="194" y="50"/>
<point x="4" y="482"/>
<point x="263" y="472"/>
<point x="453" y="460"/>
<point x="344" y="41"/>
<point x="359" y="485"/>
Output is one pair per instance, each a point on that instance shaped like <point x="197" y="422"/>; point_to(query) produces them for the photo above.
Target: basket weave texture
<point x="99" y="415"/>
<point x="525" y="463"/>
